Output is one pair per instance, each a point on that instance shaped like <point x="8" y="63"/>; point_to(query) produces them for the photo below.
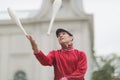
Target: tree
<point x="106" y="67"/>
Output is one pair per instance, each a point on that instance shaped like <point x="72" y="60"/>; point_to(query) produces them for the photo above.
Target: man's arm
<point x="43" y="59"/>
<point x="81" y="68"/>
<point x="33" y="44"/>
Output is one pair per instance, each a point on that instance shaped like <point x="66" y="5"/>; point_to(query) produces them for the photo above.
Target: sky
<point x="106" y="21"/>
<point x="106" y="25"/>
<point x="20" y="4"/>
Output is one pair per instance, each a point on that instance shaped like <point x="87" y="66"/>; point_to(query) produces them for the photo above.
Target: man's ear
<point x="71" y="38"/>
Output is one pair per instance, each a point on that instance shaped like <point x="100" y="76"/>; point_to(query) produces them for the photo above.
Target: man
<point x="69" y="63"/>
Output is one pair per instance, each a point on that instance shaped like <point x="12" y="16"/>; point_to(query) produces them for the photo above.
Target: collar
<point x="67" y="48"/>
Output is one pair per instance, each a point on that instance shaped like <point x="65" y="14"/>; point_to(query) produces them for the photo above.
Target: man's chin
<point x="62" y="43"/>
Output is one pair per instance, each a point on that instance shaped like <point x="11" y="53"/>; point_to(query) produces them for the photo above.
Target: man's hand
<point x="64" y="78"/>
<point x="33" y="43"/>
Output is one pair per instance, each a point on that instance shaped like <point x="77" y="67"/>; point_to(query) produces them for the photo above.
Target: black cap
<point x="62" y="30"/>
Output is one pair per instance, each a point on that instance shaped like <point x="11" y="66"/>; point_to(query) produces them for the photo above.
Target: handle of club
<point x="50" y="26"/>
<point x="20" y="25"/>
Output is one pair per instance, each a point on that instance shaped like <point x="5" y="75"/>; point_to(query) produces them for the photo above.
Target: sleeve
<point x="45" y="60"/>
<point x="79" y="73"/>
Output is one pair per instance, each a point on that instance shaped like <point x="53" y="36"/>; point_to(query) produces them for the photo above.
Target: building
<point x="17" y="61"/>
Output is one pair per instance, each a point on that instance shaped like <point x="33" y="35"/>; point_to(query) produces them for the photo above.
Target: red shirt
<point x="70" y="63"/>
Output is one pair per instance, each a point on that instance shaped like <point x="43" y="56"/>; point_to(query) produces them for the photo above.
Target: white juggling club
<point x="56" y="6"/>
<point x="16" y="19"/>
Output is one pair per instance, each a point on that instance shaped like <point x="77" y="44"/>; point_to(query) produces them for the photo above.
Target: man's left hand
<point x="64" y="78"/>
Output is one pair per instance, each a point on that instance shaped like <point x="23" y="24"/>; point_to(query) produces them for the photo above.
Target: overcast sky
<point x="106" y="21"/>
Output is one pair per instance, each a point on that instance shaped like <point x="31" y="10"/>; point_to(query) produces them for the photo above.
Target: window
<point x="20" y="75"/>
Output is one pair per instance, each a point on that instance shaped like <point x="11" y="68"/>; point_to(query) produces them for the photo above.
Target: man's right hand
<point x="33" y="43"/>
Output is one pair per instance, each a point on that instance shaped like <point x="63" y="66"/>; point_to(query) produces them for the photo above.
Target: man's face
<point x="64" y="37"/>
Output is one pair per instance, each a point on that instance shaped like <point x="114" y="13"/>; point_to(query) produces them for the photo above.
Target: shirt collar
<point x="65" y="48"/>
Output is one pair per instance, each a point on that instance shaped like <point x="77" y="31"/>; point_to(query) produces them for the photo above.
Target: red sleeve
<point x="45" y="60"/>
<point x="79" y="73"/>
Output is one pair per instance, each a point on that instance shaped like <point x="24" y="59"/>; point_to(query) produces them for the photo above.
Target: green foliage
<point x="106" y="68"/>
<point x="104" y="73"/>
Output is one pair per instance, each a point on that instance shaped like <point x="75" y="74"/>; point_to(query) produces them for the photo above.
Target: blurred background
<point x="94" y="23"/>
